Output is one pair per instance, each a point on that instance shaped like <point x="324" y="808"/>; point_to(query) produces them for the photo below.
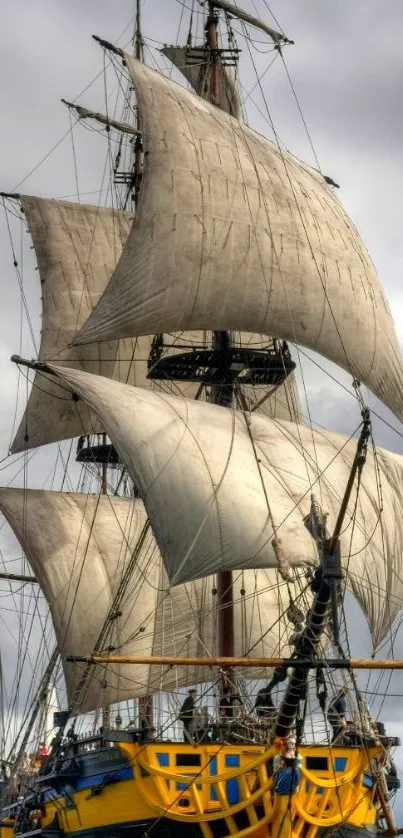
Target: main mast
<point x="145" y="703"/>
<point x="222" y="392"/>
<point x="224" y="367"/>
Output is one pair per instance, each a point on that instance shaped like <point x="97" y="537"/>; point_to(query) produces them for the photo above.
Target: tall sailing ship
<point x="215" y="531"/>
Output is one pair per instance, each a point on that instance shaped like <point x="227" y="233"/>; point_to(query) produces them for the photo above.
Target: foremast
<point x="270" y="367"/>
<point x="105" y="454"/>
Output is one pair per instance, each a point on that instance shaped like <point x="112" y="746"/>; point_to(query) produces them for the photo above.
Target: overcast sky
<point x="347" y="68"/>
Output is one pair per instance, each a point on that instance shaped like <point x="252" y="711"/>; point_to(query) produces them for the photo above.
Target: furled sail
<point x="233" y="233"/>
<point x="218" y="485"/>
<point x="197" y="73"/>
<point x="77" y="247"/>
<point x="80" y="546"/>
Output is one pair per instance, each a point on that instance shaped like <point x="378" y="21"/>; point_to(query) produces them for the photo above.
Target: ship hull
<point x="166" y="828"/>
<point x="211" y="790"/>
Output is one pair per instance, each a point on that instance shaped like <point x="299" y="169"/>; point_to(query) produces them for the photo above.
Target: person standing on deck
<point x="336" y="713"/>
<point x="186" y="714"/>
<point x="225" y="706"/>
<point x="264" y="706"/>
<point x="236" y="704"/>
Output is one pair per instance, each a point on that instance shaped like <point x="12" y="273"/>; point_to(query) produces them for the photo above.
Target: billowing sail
<point x="80" y="547"/>
<point x="77" y="247"/>
<point x="233" y="233"/>
<point x="218" y="485"/>
<point x="198" y="71"/>
<point x="285" y="402"/>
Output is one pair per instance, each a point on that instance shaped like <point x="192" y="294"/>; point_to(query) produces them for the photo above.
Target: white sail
<point x="79" y="547"/>
<point x="285" y="402"/>
<point x="77" y="247"/>
<point x="233" y="233"/>
<point x="218" y="485"/>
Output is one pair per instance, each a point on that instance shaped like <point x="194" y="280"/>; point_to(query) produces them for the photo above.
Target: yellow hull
<point x="6" y="829"/>
<point x="199" y="789"/>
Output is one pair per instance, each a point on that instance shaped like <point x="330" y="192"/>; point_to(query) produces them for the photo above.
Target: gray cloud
<point x="347" y="68"/>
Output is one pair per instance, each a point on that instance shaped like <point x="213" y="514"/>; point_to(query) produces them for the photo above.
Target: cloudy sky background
<point x="347" y="68"/>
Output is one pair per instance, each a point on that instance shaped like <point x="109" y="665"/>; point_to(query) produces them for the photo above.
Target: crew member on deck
<point x="186" y="714"/>
<point x="225" y="706"/>
<point x="236" y="703"/>
<point x="336" y="713"/>
<point x="43" y="752"/>
<point x="264" y="706"/>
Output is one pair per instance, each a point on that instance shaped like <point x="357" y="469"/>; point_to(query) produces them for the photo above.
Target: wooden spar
<point x="354" y="663"/>
<point x="386" y="810"/>
<point x="225" y="614"/>
<point x="138" y="146"/>
<point x="84" y="113"/>
<point x="213" y="44"/>
<point x="138" y="40"/>
<point x="234" y="11"/>
<point x="18" y="577"/>
<point x="358" y="463"/>
<point x="107" y="45"/>
<point x="359" y="460"/>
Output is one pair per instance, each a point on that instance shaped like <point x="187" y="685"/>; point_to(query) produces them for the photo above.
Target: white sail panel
<point x="79" y="547"/>
<point x="285" y="402"/>
<point x="218" y="485"/>
<point x="77" y="247"/>
<point x="232" y="233"/>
